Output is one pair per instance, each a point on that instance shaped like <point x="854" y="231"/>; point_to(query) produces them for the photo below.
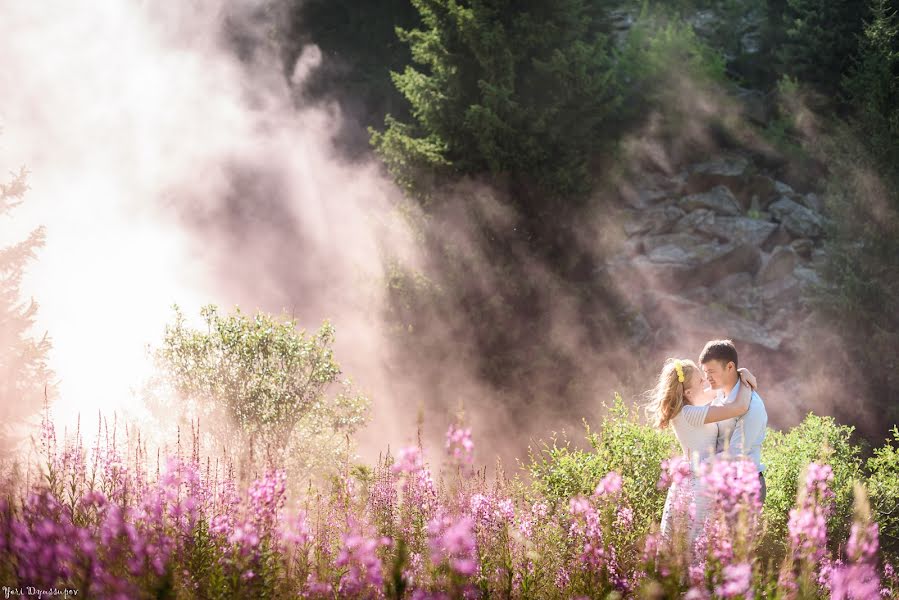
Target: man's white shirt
<point x="743" y="435"/>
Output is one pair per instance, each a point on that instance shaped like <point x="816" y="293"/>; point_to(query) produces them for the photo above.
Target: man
<point x="743" y="435"/>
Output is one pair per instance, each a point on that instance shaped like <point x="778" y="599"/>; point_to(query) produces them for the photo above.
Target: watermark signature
<point x="30" y="590"/>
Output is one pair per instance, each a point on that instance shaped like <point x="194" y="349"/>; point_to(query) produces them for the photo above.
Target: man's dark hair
<point x="723" y="350"/>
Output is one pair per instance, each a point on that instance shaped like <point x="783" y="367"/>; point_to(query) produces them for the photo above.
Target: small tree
<point x="272" y="382"/>
<point x="24" y="373"/>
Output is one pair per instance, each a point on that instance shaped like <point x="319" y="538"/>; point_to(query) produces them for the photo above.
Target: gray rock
<point x="807" y="277"/>
<point x="678" y="248"/>
<point x="719" y="199"/>
<point x="803" y="247"/>
<point x="797" y="219"/>
<point x="641" y="198"/>
<point x="700" y="295"/>
<point x="660" y="219"/>
<point x="738" y="229"/>
<point x="781" y="237"/>
<point x="695" y="220"/>
<point x="698" y="261"/>
<point x="780" y="292"/>
<point x="812" y="201"/>
<point x="645" y="190"/>
<point x="715" y="322"/>
<point x="779" y="319"/>
<point x="679" y="263"/>
<point x="734" y="281"/>
<point x="779" y="265"/>
<point x="782" y="188"/>
<point x="632" y="247"/>
<point x="758" y="193"/>
<point x="726" y="171"/>
<point x="634" y="275"/>
<point x="737" y="292"/>
<point x="819" y="257"/>
<point x="755" y="106"/>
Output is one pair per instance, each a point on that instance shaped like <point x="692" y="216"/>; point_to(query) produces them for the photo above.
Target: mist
<point x="172" y="162"/>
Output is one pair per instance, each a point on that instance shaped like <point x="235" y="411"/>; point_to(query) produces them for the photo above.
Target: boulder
<point x="757" y="193"/>
<point x="780" y="292"/>
<point x="719" y="200"/>
<point x="812" y="201"/>
<point x="631" y="247"/>
<point x="737" y="291"/>
<point x="641" y="198"/>
<point x="694" y="220"/>
<point x="781" y="237"/>
<point x="726" y="171"/>
<point x="779" y="319"/>
<point x="715" y="322"/>
<point x="755" y="105"/>
<point x="645" y="190"/>
<point x="660" y="219"/>
<point x="634" y="276"/>
<point x="797" y="219"/>
<point x="697" y="261"/>
<point x="783" y="189"/>
<point x="819" y="257"/>
<point x="803" y="247"/>
<point x="738" y="229"/>
<point x="779" y="265"/>
<point x="806" y="276"/>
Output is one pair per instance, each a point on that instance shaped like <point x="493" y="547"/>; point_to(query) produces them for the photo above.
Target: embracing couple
<point x="727" y="418"/>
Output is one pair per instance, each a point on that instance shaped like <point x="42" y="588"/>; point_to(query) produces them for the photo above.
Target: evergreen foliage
<point x="359" y="47"/>
<point x="861" y="297"/>
<point x="24" y="373"/>
<point x="523" y="92"/>
<point x="814" y="40"/>
<point x="872" y="86"/>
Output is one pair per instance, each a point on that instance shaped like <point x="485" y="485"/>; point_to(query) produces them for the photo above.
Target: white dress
<point x="697" y="439"/>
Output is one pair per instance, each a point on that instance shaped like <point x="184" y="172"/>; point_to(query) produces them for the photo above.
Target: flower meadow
<point x="113" y="523"/>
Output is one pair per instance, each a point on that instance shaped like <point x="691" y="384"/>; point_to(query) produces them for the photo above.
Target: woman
<point x="679" y="400"/>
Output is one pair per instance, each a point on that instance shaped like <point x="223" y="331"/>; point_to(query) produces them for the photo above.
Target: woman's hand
<point x="747" y="378"/>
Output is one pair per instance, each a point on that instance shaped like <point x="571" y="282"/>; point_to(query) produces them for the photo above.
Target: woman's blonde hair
<point x="667" y="398"/>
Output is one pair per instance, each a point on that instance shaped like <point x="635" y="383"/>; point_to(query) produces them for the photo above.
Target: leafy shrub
<point x="624" y="445"/>
<point x="786" y="454"/>
<point x="883" y="490"/>
<point x="271" y="382"/>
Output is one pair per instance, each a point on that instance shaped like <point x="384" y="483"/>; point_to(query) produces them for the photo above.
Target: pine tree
<point x="518" y="89"/>
<point x="23" y="358"/>
<point x="862" y="298"/>
<point x="816" y="38"/>
<point x="872" y="85"/>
